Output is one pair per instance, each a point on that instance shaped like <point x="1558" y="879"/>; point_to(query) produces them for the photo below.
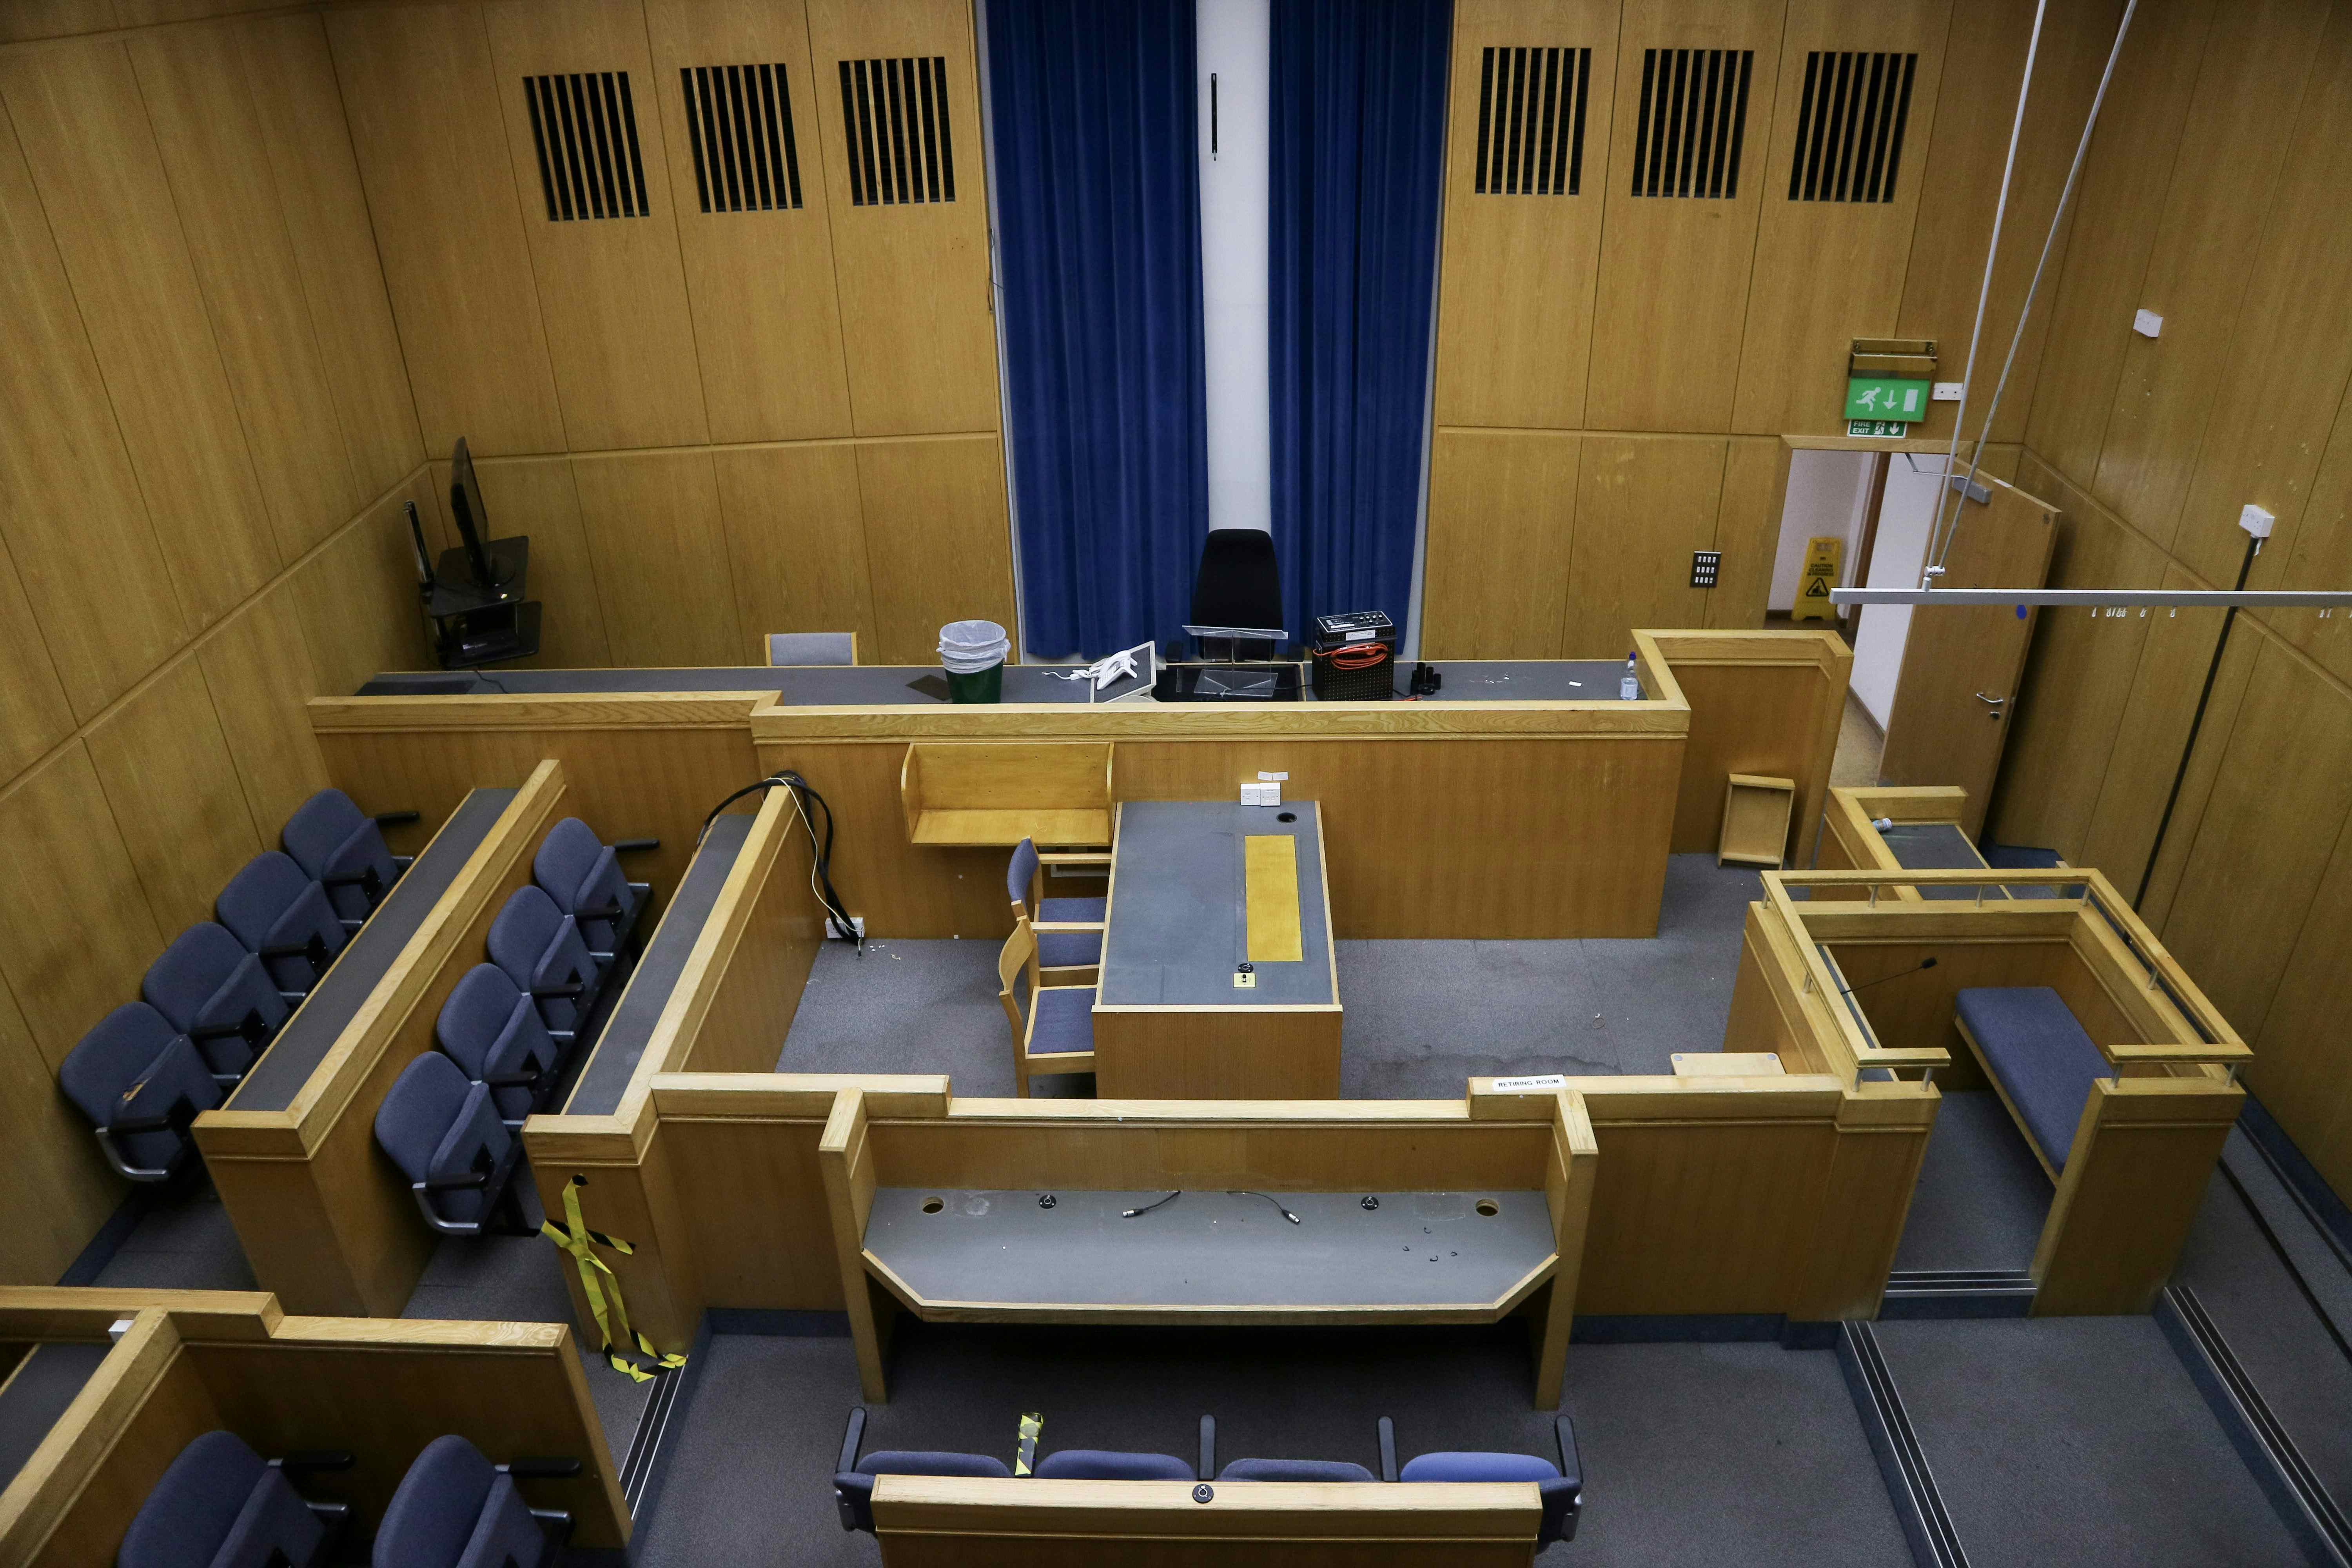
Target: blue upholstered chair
<point x="342" y="849"/>
<point x="457" y="1509"/>
<point x="1058" y="1034"/>
<point x="852" y="1478"/>
<point x="217" y="994"/>
<point x="812" y="648"/>
<point x="539" y="948"/>
<point x="1294" y="1470"/>
<point x="494" y="1033"/>
<point x="1561" y="1485"/>
<point x="140" y="1082"/>
<point x="221" y="1505"/>
<point x="279" y="912"/>
<point x="583" y="874"/>
<point x="445" y="1134"/>
<point x="1069" y="930"/>
<point x="1108" y="1465"/>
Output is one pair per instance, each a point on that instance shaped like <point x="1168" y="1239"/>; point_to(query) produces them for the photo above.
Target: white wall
<point x="1235" y="45"/>
<point x="1829" y="493"/>
<point x="1894" y="561"/>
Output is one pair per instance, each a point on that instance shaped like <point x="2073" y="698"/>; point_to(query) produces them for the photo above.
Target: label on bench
<point x="1540" y="1081"/>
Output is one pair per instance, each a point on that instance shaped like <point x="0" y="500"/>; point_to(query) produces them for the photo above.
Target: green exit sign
<point x="1886" y="397"/>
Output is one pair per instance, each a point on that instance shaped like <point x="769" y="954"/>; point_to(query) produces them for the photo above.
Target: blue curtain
<point x="1097" y="198"/>
<point x="1359" y="147"/>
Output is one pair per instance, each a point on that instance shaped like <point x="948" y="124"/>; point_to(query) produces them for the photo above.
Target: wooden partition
<point x="1760" y="702"/>
<point x="193" y="1361"/>
<point x="2145" y="1147"/>
<point x="327" y="1221"/>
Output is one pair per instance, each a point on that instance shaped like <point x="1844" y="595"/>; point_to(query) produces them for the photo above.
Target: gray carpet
<point x="2062" y="1441"/>
<point x="183" y="1242"/>
<point x="1981" y="1198"/>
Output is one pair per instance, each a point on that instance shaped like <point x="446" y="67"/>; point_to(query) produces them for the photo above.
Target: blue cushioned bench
<point x="2040" y="1058"/>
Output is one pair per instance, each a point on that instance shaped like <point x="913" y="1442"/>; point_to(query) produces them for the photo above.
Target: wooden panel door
<point x="1960" y="667"/>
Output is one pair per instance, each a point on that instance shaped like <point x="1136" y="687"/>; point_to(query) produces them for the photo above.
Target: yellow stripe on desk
<point x="1270" y="878"/>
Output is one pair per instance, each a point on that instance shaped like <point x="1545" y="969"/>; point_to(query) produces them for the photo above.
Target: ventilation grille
<point x="739" y="120"/>
<point x="1850" y="126"/>
<point x="1694" y="117"/>
<point x="1531" y="121"/>
<point x="584" y="127"/>
<point x="899" y="150"/>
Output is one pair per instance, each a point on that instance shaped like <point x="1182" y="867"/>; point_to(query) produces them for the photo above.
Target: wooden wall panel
<point x="177" y="800"/>
<point x="60" y="1184"/>
<point x="1515" y="296"/>
<point x="214" y="151"/>
<point x="1674" y="272"/>
<point x="537" y="497"/>
<point x="612" y="290"/>
<point x="358" y="596"/>
<point x="258" y="672"/>
<point x="293" y="83"/>
<point x="423" y="101"/>
<point x="916" y="318"/>
<point x="653" y="527"/>
<point x="2257" y="60"/>
<point x="1502" y="510"/>
<point x="1827" y="272"/>
<point x="766" y="321"/>
<point x="1748" y="531"/>
<point x="1642" y="507"/>
<point x="797" y="544"/>
<point x="95" y="160"/>
<point x="934" y="514"/>
<point x="35" y="715"/>
<point x="2319" y="554"/>
<point x="2298" y="1065"/>
<point x="76" y="932"/>
<point x="54" y="18"/>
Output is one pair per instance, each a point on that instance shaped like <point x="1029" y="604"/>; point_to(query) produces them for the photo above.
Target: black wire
<point x="2179" y="774"/>
<point x="1238" y="1193"/>
<point x="479" y="673"/>
<point x="838" y="925"/>
<point x="1163" y="1203"/>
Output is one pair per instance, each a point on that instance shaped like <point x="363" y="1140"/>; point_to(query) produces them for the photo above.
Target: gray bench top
<point x="49" y="1378"/>
<point x="630" y="1029"/>
<point x="1177" y="923"/>
<point x="1936" y="846"/>
<point x="312" y="1031"/>
<point x="1209" y="1249"/>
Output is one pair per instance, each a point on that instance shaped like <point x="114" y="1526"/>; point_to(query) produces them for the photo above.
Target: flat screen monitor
<point x="473" y="522"/>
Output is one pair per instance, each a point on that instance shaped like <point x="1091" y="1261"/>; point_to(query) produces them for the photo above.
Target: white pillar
<point x="1235" y="47"/>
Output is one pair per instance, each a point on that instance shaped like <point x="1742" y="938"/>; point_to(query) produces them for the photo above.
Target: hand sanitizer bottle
<point x="1630" y="688"/>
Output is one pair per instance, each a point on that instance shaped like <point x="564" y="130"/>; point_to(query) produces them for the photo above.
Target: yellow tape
<point x="575" y="1238"/>
<point x="1032" y="1422"/>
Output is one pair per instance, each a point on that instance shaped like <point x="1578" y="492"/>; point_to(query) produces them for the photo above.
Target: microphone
<point x="1924" y="963"/>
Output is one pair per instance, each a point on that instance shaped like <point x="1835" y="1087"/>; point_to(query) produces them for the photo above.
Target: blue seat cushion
<point x="1104" y="1465"/>
<point x="2043" y="1060"/>
<point x="1294" y="1470"/>
<point x="1064" y="1020"/>
<point x="1069" y="949"/>
<point x="1071" y="911"/>
<point x="923" y="1462"/>
<point x="1471" y="1466"/>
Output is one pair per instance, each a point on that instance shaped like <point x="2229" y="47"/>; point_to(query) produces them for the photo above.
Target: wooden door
<point x="1960" y="667"/>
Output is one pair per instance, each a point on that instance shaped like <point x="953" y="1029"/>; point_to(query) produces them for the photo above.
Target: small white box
<point x="2148" y="323"/>
<point x="1945" y="391"/>
<point x="1252" y="793"/>
<point x="2257" y="521"/>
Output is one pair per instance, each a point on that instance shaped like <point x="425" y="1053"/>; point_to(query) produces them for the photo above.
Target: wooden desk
<point x="1198" y="889"/>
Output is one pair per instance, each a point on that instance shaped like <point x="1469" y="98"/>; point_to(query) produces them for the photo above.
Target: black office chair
<point x="1560" y="1485"/>
<point x="1239" y="584"/>
<point x="220" y="1502"/>
<point x="141" y="1083"/>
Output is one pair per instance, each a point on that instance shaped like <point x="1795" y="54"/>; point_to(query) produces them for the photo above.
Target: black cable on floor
<point x="838" y="924"/>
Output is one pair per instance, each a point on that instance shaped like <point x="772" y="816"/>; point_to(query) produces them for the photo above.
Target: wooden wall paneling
<point x="1962" y="179"/>
<point x="936" y="521"/>
<point x="612" y="288"/>
<point x="917" y="322"/>
<point x="1515" y="295"/>
<point x="422" y="101"/>
<point x="1748" y="532"/>
<point x="1828" y="271"/>
<point x="59" y="1182"/>
<point x="797" y="544"/>
<point x="2135" y="1176"/>
<point x="1502" y="510"/>
<point x="2319" y="555"/>
<point x="1642" y="507"/>
<point x="2078" y="678"/>
<point x="660" y="552"/>
<point x="292" y="74"/>
<point x="1748" y="718"/>
<point x="1675" y="271"/>
<point x="767" y="317"/>
<point x="539" y="498"/>
<point x="258" y="673"/>
<point x="76" y="930"/>
<point x="2257" y="59"/>
<point x="177" y="799"/>
<point x="214" y="152"/>
<point x="2124" y="178"/>
<point x="95" y="159"/>
<point x="149" y="12"/>
<point x="99" y="588"/>
<point x="35" y="715"/>
<point x="2284" y="790"/>
<point x="773" y="1253"/>
<point x="2298" y="1069"/>
<point x="54" y="18"/>
<point x="2156" y="715"/>
<point x="358" y="595"/>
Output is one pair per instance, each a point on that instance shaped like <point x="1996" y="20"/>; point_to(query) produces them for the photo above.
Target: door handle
<point x="1994" y="703"/>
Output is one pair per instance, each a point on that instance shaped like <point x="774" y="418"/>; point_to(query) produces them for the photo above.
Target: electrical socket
<point x="856" y="922"/>
<point x="2257" y="521"/>
<point x="1945" y="391"/>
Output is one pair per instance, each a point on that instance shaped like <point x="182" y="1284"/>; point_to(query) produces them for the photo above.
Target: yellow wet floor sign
<point x="1822" y="555"/>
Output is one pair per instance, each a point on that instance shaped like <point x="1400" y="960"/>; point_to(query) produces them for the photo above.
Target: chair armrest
<point x="453" y="1184"/>
<point x="1074" y="858"/>
<point x="545" y="1470"/>
<point x="1388" y="1449"/>
<point x="1207" y="1468"/>
<point x="512" y="1080"/>
<point x="852" y="1438"/>
<point x="600" y="912"/>
<point x="122" y="1161"/>
<point x="394" y="818"/>
<point x="313" y="1460"/>
<point x="631" y="845"/>
<point x="548" y="993"/>
<point x="1571" y="1467"/>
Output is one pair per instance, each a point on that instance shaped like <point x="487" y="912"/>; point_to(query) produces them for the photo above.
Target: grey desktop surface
<point x="1178" y="925"/>
<point x="311" y="1032"/>
<point x="1520" y="679"/>
<point x="1936" y="846"/>
<point x="627" y="1033"/>
<point x="48" y="1380"/>
<point x="1210" y="1248"/>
